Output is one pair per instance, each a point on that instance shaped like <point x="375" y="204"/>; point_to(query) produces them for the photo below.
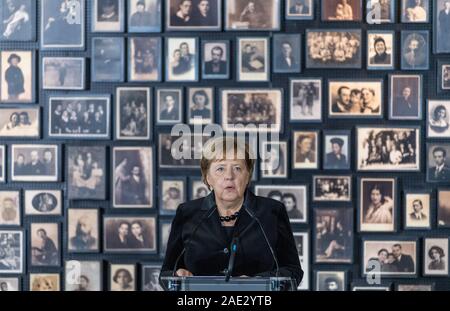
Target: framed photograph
<point x="144" y="16"/>
<point x="381" y="50"/>
<point x="150" y="278"/>
<point x="381" y="11"/>
<point x="63" y="24"/>
<point x="443" y="76"/>
<point x="144" y="59"/>
<point x="45" y="282"/>
<point x="182" y="58"/>
<point x="415" y="11"/>
<point x="18" y="20"/>
<point x="253" y="59"/>
<point x="169" y="108"/>
<point x="82" y="276"/>
<point x="337" y="150"/>
<point x="164" y="232"/>
<point x="405" y="97"/>
<point x="133" y="177"/>
<point x="332" y="188"/>
<point x="287" y="54"/>
<point x="83" y="227"/>
<point x="302" y="244"/>
<point x="299" y="9"/>
<point x="330" y="281"/>
<point x="363" y="286"/>
<point x="45" y="244"/>
<point x="35" y="163"/>
<point x="417" y="210"/>
<point x="377" y="204"/>
<point x="198" y="189"/>
<point x="355" y="98"/>
<point x="342" y="10"/>
<point x="129" y="234"/>
<point x="198" y="15"/>
<point x="415" y="50"/>
<point x="108" y="15"/>
<point x="245" y="15"/>
<point x="86" y="172"/>
<point x="12" y="242"/>
<point x="133" y="113"/>
<point x="435" y="254"/>
<point x="443" y="208"/>
<point x="10" y="208"/>
<point x="17" y="76"/>
<point x="201" y="105"/>
<point x="389" y="258"/>
<point x="321" y="52"/>
<point x="305" y="150"/>
<point x="438" y="118"/>
<point x="10" y="284"/>
<point x="441" y="22"/>
<point x="63" y="73"/>
<point x="20" y="122"/>
<point x="216" y="59"/>
<point x="414" y="286"/>
<point x="275" y="162"/>
<point x="83" y="116"/>
<point x="438" y="164"/>
<point x="2" y="163"/>
<point x="239" y="108"/>
<point x="43" y="202"/>
<point x="172" y="194"/>
<point x="305" y="100"/>
<point x="390" y="149"/>
<point x="108" y="59"/>
<point x="180" y="152"/>
<point x="122" y="277"/>
<point x="333" y="235"/>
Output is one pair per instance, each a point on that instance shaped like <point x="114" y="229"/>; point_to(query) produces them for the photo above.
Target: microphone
<point x="234" y="247"/>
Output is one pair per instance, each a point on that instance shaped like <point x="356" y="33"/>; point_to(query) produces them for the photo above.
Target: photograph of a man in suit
<point x="406" y="105"/>
<point x="403" y="262"/>
<point x="170" y="111"/>
<point x="441" y="171"/>
<point x="417" y="214"/>
<point x="299" y="7"/>
<point x="343" y="103"/>
<point x="216" y="66"/>
<point x="135" y="190"/>
<point x="336" y="159"/>
<point x="35" y="167"/>
<point x="286" y="61"/>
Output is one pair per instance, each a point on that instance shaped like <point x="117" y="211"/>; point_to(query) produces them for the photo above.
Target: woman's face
<point x="375" y="196"/>
<point x="136" y="229"/>
<point x="122" y="279"/>
<point x="380" y="48"/>
<point x="367" y="95"/>
<point x="442" y="114"/>
<point x="200" y="100"/>
<point x="382" y="257"/>
<point x="435" y="254"/>
<point x="306" y="145"/>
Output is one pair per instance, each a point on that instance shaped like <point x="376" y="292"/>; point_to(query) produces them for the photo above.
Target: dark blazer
<point x="406" y="264"/>
<point x="208" y="252"/>
<point x="222" y="68"/>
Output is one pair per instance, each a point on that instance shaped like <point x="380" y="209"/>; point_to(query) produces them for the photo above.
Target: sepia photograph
<point x="108" y="59"/>
<point x="201" y="105"/>
<point x="63" y="73"/>
<point x="182" y="58"/>
<point x="305" y="150"/>
<point x="10" y="208"/>
<point x="330" y="281"/>
<point x="18" y="20"/>
<point x="144" y="59"/>
<point x="415" y="50"/>
<point x="144" y="16"/>
<point x="122" y="277"/>
<point x="438" y="164"/>
<point x="17" y="76"/>
<point x="169" y="106"/>
<point x="274" y="163"/>
<point x="443" y="208"/>
<point x="83" y="276"/>
<point x="332" y="188"/>
<point x="415" y="11"/>
<point x="337" y="150"/>
<point x="253" y="59"/>
<point x="10" y="284"/>
<point x="302" y="244"/>
<point x="287" y="53"/>
<point x="305" y="100"/>
<point x="198" y="189"/>
<point x="380" y="50"/>
<point x="194" y="15"/>
<point x="299" y="9"/>
<point x="44" y="282"/>
<point x="35" y="163"/>
<point x="417" y="210"/>
<point x="172" y="194"/>
<point x="43" y="202"/>
<point x="251" y="15"/>
<point x="180" y="152"/>
<point x="342" y="10"/>
<point x="435" y="256"/>
<point x="45" y="244"/>
<point x="133" y="114"/>
<point x="441" y="26"/>
<point x="20" y="122"/>
<point x="438" y="118"/>
<point x="443" y="76"/>
<point x="2" y="163"/>
<point x="380" y="11"/>
<point x="83" y="230"/>
<point x="108" y="15"/>
<point x="13" y="247"/>
<point x="150" y="278"/>
<point x="216" y="59"/>
<point x="405" y="97"/>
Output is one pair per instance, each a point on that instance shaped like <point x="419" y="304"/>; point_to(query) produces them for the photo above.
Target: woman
<point x="123" y="281"/>
<point x="137" y="239"/>
<point x="381" y="56"/>
<point x="439" y="121"/>
<point x="436" y="254"/>
<point x="228" y="212"/>
<point x="380" y="208"/>
<point x="370" y="106"/>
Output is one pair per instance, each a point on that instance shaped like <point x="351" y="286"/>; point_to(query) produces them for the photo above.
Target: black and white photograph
<point x="63" y="24"/>
<point x="133" y="177"/>
<point x="79" y="117"/>
<point x="405" y="97"/>
<point x="150" y="278"/>
<point x="45" y="282"/>
<point x="294" y="198"/>
<point x="2" y="163"/>
<point x="380" y="11"/>
<point x="122" y="277"/>
<point x="377" y="204"/>
<point x="43" y="202"/>
<point x="45" y="244"/>
<point x="333" y="235"/>
<point x="216" y="59"/>
<point x="438" y="163"/>
<point x="182" y="59"/>
<point x="108" y="59"/>
<point x="164" y="231"/>
<point x="302" y="244"/>
<point x="63" y="73"/>
<point x="306" y="100"/>
<point x="355" y="98"/>
<point x="35" y="163"/>
<point x="129" y="234"/>
<point x="253" y="59"/>
<point x="441" y="26"/>
<point x="443" y="76"/>
<point x="180" y="152"/>
<point x="259" y="110"/>
<point x="417" y="211"/>
<point x="435" y="257"/>
<point x="274" y="163"/>
<point x="305" y="150"/>
<point x="332" y="188"/>
<point x="380" y="50"/>
<point x="333" y="49"/>
<point x="415" y="11"/>
<point x="438" y="118"/>
<point x="17" y="76"/>
<point x="415" y="50"/>
<point x="443" y="208"/>
<point x="194" y="15"/>
<point x="172" y="194"/>
<point x="287" y="53"/>
<point x="299" y="9"/>
<point x="337" y="150"/>
<point x="342" y="10"/>
<point x="198" y="189"/>
<point x="18" y="20"/>
<point x="108" y="15"/>
<point x="83" y="230"/>
<point x="251" y="15"/>
<point x="10" y="208"/>
<point x="144" y="59"/>
<point x="12" y="247"/>
<point x="144" y="16"/>
<point x="133" y="114"/>
<point x="169" y="106"/>
<point x="20" y="122"/>
<point x="330" y="281"/>
<point x="10" y="284"/>
<point x="391" y="149"/>
<point x="201" y="105"/>
<point x="83" y="276"/>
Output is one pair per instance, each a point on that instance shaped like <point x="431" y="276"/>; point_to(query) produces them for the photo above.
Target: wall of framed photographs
<point x="89" y="91"/>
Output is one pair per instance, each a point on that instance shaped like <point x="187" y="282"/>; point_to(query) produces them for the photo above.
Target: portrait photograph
<point x="144" y="59"/>
<point x="122" y="277"/>
<point x="17" y="76"/>
<point x="86" y="172"/>
<point x="169" y="108"/>
<point x="164" y="231"/>
<point x="415" y="11"/>
<point x="294" y="198"/>
<point x="83" y="276"/>
<point x="305" y="150"/>
<point x="12" y="245"/>
<point x="133" y="114"/>
<point x="253" y="59"/>
<point x="10" y="208"/>
<point x="377" y="204"/>
<point x="305" y="100"/>
<point x="194" y="15"/>
<point x="216" y="59"/>
<point x="45" y="244"/>
<point x="250" y="15"/>
<point x="20" y="122"/>
<point x="438" y="163"/>
<point x="44" y="282"/>
<point x="180" y="152"/>
<point x="43" y="202"/>
<point x="443" y="208"/>
<point x="388" y="149"/>
<point x="381" y="50"/>
<point x="34" y="163"/>
<point x="438" y="118"/>
<point x="129" y="234"/>
<point x="150" y="278"/>
<point x="441" y="26"/>
<point x="287" y="53"/>
<point x="415" y="50"/>
<point x="2" y="163"/>
<point x="108" y="15"/>
<point x="341" y="10"/>
<point x="355" y="98"/>
<point x="302" y="244"/>
<point x="274" y="162"/>
<point x="332" y="188"/>
<point x="337" y="150"/>
<point x="83" y="230"/>
<point x="63" y="73"/>
<point x="390" y="258"/>
<point x="333" y="232"/>
<point x="299" y="9"/>
<point x="144" y="16"/>
<point x="405" y="97"/>
<point x="443" y="76"/>
<point x="333" y="49"/>
<point x="330" y="281"/>
<point x="79" y="116"/>
<point x="108" y="59"/>
<point x="18" y="20"/>
<point x="381" y="11"/>
<point x="198" y="189"/>
<point x="10" y="284"/>
<point x="182" y="59"/>
<point x="133" y="177"/>
<point x="435" y="255"/>
<point x="63" y="24"/>
<point x="260" y="107"/>
<point x="201" y="105"/>
<point x="417" y="211"/>
<point x="172" y="194"/>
